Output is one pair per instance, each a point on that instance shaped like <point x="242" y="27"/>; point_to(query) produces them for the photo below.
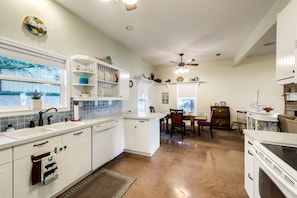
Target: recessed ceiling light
<point x="129" y="28"/>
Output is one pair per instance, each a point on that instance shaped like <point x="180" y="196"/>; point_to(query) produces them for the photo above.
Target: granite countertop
<point x="272" y="137"/>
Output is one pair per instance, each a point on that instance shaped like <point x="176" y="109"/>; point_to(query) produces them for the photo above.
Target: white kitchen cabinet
<point x="6" y="173"/>
<point x="286" y="68"/>
<point x="248" y="166"/>
<point x="124" y="84"/>
<point x="22" y="167"/>
<point x="93" y="79"/>
<point x="142" y="136"/>
<point x="76" y="154"/>
<point x="118" y="138"/>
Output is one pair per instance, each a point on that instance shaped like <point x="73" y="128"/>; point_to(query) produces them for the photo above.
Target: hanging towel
<point x="36" y="168"/>
<point x="49" y="169"/>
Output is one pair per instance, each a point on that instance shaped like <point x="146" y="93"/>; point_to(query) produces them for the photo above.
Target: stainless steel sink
<point x="28" y="132"/>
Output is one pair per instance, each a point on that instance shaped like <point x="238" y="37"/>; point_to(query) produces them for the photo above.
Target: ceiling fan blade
<point x="174" y="62"/>
<point x="190" y="60"/>
<point x="192" y="64"/>
<point x="130" y="7"/>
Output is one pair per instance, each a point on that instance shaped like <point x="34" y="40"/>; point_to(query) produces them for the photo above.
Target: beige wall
<point x="67" y="35"/>
<point x="236" y="85"/>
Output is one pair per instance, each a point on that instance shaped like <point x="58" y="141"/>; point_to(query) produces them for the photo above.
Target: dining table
<point x="192" y="117"/>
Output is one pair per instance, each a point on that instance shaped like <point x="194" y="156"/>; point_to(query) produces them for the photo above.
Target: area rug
<point x="101" y="184"/>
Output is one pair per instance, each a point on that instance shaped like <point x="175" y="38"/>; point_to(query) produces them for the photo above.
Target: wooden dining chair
<point x="177" y="121"/>
<point x="202" y="123"/>
<point x="162" y="120"/>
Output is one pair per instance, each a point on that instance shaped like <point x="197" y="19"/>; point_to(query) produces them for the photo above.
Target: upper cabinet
<point x="286" y="68"/>
<point x="93" y="79"/>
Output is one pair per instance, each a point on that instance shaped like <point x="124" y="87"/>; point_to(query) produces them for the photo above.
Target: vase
<point x="36" y="104"/>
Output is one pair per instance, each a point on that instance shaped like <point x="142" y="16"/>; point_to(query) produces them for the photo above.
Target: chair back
<point x="176" y="116"/>
<point x="241" y="117"/>
<point x="213" y="111"/>
<point x="152" y="109"/>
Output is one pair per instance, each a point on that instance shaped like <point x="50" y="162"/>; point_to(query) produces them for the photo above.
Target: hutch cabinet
<point x="220" y="117"/>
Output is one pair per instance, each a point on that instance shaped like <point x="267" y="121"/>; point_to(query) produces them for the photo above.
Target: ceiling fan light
<point x="130" y="2"/>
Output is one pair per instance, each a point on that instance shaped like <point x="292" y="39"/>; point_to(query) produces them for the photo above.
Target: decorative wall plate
<point x="35" y="26"/>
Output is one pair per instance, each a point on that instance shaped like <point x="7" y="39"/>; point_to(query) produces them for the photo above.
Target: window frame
<point x="194" y="96"/>
<point x="12" y="49"/>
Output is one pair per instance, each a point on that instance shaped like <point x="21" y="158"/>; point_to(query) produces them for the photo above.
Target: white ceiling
<point x="164" y="28"/>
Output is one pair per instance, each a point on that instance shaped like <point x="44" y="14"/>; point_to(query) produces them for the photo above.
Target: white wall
<point x="67" y="35"/>
<point x="236" y="85"/>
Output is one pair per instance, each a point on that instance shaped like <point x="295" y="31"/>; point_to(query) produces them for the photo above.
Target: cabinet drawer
<point x="70" y="137"/>
<point x="37" y="147"/>
<point x="5" y="156"/>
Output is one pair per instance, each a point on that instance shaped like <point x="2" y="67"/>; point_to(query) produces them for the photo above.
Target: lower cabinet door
<point x="142" y="136"/>
<point x="6" y="180"/>
<point x="77" y="154"/>
<point x="22" y="181"/>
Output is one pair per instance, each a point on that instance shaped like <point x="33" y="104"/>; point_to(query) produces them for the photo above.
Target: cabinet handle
<point x="141" y="120"/>
<point x="250" y="177"/>
<point x="41" y="144"/>
<point x="249" y="152"/>
<point x="78" y="133"/>
<point x="250" y="143"/>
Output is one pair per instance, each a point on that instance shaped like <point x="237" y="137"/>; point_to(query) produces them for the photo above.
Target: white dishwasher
<point x="104" y="137"/>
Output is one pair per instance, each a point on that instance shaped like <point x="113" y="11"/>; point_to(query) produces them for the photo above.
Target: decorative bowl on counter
<point x="268" y="109"/>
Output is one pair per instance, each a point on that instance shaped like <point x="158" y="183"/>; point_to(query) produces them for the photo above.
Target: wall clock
<point x="130" y="83"/>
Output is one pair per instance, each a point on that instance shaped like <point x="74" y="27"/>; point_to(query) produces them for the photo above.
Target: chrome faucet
<point x="40" y="123"/>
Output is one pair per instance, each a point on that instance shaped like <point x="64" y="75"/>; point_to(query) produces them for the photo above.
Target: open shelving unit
<point x="93" y="79"/>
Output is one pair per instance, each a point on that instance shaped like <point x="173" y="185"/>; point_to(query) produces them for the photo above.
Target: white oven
<point x="274" y="175"/>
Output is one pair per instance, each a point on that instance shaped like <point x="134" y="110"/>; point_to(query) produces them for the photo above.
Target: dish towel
<point x="44" y="168"/>
<point x="49" y="169"/>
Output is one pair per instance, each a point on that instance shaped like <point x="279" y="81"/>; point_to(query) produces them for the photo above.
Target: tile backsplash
<point x="88" y="109"/>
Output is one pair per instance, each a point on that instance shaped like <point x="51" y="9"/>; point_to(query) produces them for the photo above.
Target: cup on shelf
<point x="83" y="80"/>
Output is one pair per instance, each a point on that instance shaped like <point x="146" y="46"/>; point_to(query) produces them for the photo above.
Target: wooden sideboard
<point x="221" y="117"/>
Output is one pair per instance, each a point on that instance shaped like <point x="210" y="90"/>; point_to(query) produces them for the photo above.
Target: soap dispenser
<point x="9" y="127"/>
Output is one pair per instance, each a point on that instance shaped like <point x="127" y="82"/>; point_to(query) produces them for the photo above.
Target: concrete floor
<point x="198" y="167"/>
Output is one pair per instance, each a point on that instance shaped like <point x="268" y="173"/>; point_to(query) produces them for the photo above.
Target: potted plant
<point x="36" y="100"/>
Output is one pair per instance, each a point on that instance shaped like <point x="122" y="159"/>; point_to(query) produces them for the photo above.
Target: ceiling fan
<point x="186" y="63"/>
<point x="129" y="4"/>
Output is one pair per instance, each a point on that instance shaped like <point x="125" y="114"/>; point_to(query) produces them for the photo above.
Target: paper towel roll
<point x="76" y="114"/>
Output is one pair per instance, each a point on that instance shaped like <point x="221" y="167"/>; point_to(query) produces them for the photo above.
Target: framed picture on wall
<point x="165" y="98"/>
